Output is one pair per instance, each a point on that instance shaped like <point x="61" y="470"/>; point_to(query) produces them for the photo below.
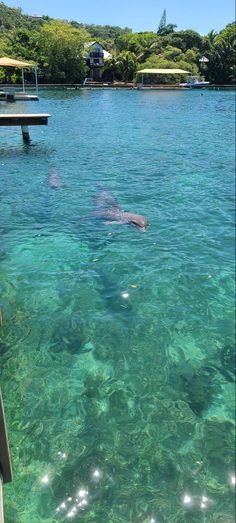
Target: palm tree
<point x="222" y="60"/>
<point x="126" y="65"/>
<point x="109" y="69"/>
<point x="211" y="37"/>
<point x="149" y="48"/>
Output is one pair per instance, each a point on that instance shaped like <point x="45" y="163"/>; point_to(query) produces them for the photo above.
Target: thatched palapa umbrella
<point x="10" y="62"/>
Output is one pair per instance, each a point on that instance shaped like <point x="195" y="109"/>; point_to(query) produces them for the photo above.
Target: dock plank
<point x="23" y="119"/>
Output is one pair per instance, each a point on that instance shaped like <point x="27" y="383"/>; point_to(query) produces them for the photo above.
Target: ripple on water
<point x="117" y="347"/>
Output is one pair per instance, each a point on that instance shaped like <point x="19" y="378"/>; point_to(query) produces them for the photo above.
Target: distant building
<point x="95" y="54"/>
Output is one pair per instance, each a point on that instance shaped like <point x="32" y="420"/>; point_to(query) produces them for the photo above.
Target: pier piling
<point x="24" y="120"/>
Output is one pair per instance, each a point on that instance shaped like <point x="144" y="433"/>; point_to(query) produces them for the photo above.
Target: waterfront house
<point x="95" y="55"/>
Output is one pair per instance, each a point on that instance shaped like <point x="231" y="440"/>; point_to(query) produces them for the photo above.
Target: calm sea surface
<point x="117" y="346"/>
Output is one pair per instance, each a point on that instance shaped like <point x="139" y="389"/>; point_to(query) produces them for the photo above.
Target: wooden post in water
<point x="10" y="97"/>
<point x="23" y="80"/>
<point x="1" y="501"/>
<point x="25" y="133"/>
<point x="24" y="120"/>
<point x="5" y="460"/>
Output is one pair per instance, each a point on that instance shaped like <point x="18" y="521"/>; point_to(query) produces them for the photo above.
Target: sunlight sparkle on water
<point x="62" y="455"/>
<point x="72" y="512"/>
<point x="82" y="493"/>
<point x="187" y="500"/>
<point x="96" y="475"/>
<point x="45" y="479"/>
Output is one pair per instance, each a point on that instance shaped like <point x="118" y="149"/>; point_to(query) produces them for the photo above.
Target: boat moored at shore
<point x="194" y="82"/>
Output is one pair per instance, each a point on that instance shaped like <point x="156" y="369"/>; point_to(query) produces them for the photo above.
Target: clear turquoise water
<point x="119" y="409"/>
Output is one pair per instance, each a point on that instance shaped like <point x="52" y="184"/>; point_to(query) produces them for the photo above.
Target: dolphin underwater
<point x="109" y="209"/>
<point x="54" y="180"/>
<point x="112" y="293"/>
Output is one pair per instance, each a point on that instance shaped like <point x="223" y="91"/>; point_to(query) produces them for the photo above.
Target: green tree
<point x="172" y="53"/>
<point x="141" y="44"/>
<point x="13" y="18"/>
<point x="126" y="65"/>
<point x="20" y="43"/>
<point x="101" y="32"/>
<point x="60" y="48"/>
<point x="127" y="42"/>
<point x="167" y="29"/>
<point x="149" y="43"/>
<point x="210" y="38"/>
<point x="110" y="69"/>
<point x="192" y="56"/>
<point x="221" y="66"/>
<point x="188" y="39"/>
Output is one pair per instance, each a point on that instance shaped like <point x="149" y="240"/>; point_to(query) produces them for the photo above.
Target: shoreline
<point x="114" y="86"/>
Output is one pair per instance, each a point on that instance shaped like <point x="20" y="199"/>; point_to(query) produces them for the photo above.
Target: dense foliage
<point x="13" y="18"/>
<point x="102" y="31"/>
<point x="58" y="48"/>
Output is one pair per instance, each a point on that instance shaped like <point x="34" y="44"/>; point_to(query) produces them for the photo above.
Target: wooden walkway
<point x="17" y="97"/>
<point x="24" y="120"/>
<point x="22" y="97"/>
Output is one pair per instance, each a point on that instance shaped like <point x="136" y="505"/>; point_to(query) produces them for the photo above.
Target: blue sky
<point x="145" y="15"/>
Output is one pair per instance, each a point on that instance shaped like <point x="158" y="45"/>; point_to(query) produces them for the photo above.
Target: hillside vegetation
<point x="57" y="46"/>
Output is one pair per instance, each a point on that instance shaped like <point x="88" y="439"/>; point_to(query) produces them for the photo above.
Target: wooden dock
<point x="22" y="97"/>
<point x="17" y="97"/>
<point x="24" y="120"/>
<point x="6" y="97"/>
